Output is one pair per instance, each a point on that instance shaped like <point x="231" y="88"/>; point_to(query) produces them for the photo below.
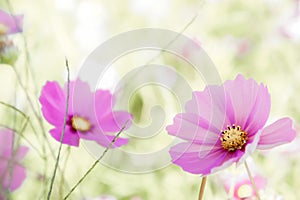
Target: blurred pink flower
<point x="291" y="28"/>
<point x="191" y="47"/>
<point x="12" y="178"/>
<point x="10" y="24"/>
<point x="90" y="114"/>
<point x="243" y="189"/>
<point x="243" y="46"/>
<point x="224" y="125"/>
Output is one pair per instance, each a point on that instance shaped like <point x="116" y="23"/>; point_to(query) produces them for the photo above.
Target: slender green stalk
<point x="252" y="181"/>
<point x="174" y="39"/>
<point x="96" y="162"/>
<point x="62" y="181"/>
<point x="27" y="121"/>
<point x="202" y="187"/>
<point x="29" y="70"/>
<point x="14" y="108"/>
<point x="62" y="134"/>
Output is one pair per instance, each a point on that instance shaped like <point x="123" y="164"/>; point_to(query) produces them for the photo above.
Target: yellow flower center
<point x="234" y="138"/>
<point x="80" y="123"/>
<point x="3" y="29"/>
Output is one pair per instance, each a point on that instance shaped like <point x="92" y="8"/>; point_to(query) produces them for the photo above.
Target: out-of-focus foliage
<point x="239" y="36"/>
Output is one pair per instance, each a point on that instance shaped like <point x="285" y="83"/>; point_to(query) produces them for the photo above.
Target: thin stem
<point x="14" y="108"/>
<point x="29" y="70"/>
<point x="27" y="120"/>
<point x="96" y="162"/>
<point x="174" y="39"/>
<point x="202" y="187"/>
<point x="62" y="181"/>
<point x="62" y="134"/>
<point x="252" y="181"/>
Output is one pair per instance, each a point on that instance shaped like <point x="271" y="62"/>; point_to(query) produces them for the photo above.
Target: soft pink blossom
<point x="224" y="124"/>
<point x="9" y="23"/>
<point x="191" y="47"/>
<point x="10" y="179"/>
<point x="243" y="188"/>
<point x="243" y="46"/>
<point x="90" y="114"/>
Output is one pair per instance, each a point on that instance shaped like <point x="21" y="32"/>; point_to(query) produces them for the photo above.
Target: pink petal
<point x="102" y="139"/>
<point x="81" y="98"/>
<point x="206" y="158"/>
<point x="250" y="148"/>
<point x="191" y="127"/>
<point x="6" y="138"/>
<point x="278" y="133"/>
<point x="209" y="104"/>
<point x="70" y="137"/>
<point x="11" y="179"/>
<point x="113" y="122"/>
<point x="53" y="102"/>
<point x="231" y="159"/>
<point x="21" y="152"/>
<point x="18" y="176"/>
<point x="260" y="182"/>
<point x="191" y="161"/>
<point x="13" y="23"/>
<point x="260" y="112"/>
<point x="250" y="103"/>
<point x="104" y="102"/>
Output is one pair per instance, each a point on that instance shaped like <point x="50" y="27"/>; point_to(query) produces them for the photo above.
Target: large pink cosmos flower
<point x="224" y="124"/>
<point x="90" y="114"/>
<point x="10" y="24"/>
<point x="10" y="179"/>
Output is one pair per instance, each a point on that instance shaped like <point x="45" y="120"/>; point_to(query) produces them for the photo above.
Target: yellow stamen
<point x="81" y="124"/>
<point x="234" y="138"/>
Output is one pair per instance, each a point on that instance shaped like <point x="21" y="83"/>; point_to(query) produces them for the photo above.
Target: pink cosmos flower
<point x="224" y="124"/>
<point x="243" y="188"/>
<point x="10" y="24"/>
<point x="90" y="114"/>
<point x="10" y="179"/>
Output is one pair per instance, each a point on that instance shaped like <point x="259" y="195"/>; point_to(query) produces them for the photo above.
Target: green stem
<point x="252" y="181"/>
<point x="62" y="134"/>
<point x="27" y="120"/>
<point x="202" y="187"/>
<point x="96" y="162"/>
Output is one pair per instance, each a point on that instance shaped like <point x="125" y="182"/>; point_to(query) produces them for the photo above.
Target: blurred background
<point x="259" y="39"/>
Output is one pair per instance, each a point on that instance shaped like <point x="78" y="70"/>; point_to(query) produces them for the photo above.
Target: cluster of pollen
<point x="80" y="123"/>
<point x="233" y="138"/>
